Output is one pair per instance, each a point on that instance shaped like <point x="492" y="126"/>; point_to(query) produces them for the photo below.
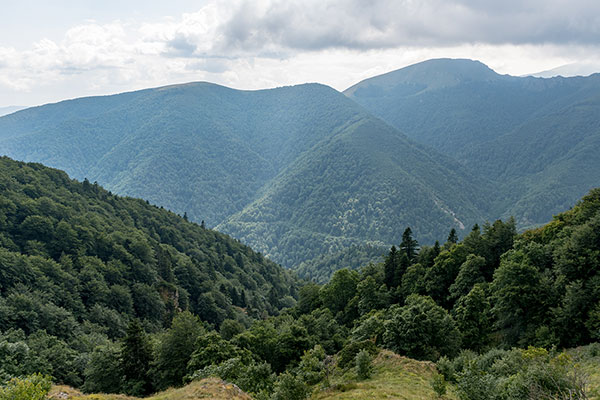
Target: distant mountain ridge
<point x="10" y="110"/>
<point x="294" y="171"/>
<point x="535" y="139"/>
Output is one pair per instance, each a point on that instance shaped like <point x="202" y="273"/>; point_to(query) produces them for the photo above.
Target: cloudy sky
<point x="54" y="50"/>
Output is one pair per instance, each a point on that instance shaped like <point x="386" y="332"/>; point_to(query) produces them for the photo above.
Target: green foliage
<point x="321" y="268"/>
<point x="470" y="273"/>
<point x="251" y="377"/>
<point x="438" y="384"/>
<point x="363" y="365"/>
<point x="77" y="264"/>
<point x="211" y="348"/>
<point x="312" y="369"/>
<point x="33" y="387"/>
<point x="174" y="351"/>
<point x="409" y="245"/>
<point x="347" y="356"/>
<point x="103" y="373"/>
<point x="472" y="314"/>
<point x="339" y="293"/>
<point x="369" y="327"/>
<point x="421" y="329"/>
<point x="230" y="328"/>
<point x="135" y="358"/>
<point x="290" y="387"/>
<point x="520" y="374"/>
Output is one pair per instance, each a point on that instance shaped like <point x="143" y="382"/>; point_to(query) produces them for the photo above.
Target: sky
<point x="61" y="49"/>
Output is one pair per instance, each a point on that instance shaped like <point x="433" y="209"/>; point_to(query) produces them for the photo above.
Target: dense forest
<point x="78" y="265"/>
<point x="111" y="294"/>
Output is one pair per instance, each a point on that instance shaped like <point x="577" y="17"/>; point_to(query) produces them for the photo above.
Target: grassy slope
<point x="211" y="388"/>
<point x="394" y="377"/>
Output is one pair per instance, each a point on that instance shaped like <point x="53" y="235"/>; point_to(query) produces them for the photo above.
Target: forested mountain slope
<point x="366" y="181"/>
<point x="293" y="171"/>
<point x="200" y="148"/>
<point x="536" y="139"/>
<point x="77" y="263"/>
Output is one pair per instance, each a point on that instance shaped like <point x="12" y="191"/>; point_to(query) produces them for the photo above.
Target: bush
<point x="347" y="356"/>
<point x="253" y="378"/>
<point x="363" y="365"/>
<point x="421" y="329"/>
<point x="290" y="387"/>
<point x="33" y="387"/>
<point x="438" y="384"/>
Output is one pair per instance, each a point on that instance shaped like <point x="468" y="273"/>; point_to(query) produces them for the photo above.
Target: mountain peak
<point x="430" y="74"/>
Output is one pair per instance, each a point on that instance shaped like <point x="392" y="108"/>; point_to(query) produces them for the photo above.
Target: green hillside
<point x="535" y="139"/>
<point x="366" y="181"/>
<point x="294" y="172"/>
<point x="198" y="148"/>
<point x="78" y="264"/>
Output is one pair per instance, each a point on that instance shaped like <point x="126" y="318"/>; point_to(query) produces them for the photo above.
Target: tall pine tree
<point x="136" y="355"/>
<point x="409" y="245"/>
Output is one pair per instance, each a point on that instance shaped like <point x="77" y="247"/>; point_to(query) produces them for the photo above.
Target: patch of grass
<point x="394" y="377"/>
<point x="589" y="360"/>
<point x="211" y="388"/>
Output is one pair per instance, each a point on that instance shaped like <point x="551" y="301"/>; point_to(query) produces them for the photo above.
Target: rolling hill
<point x="293" y="171"/>
<point x="535" y="139"/>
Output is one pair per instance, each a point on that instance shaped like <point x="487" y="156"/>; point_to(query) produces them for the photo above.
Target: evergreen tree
<point x="391" y="268"/>
<point x="409" y="245"/>
<point x="452" y="237"/>
<point x="136" y="355"/>
<point x="164" y="265"/>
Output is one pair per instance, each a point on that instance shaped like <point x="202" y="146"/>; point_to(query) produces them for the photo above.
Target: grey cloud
<point x="376" y="24"/>
<point x="180" y="46"/>
<point x="212" y="65"/>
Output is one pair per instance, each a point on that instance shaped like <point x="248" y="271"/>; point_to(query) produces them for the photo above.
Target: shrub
<point x="290" y="387"/>
<point x="438" y="384"/>
<point x="363" y="364"/>
<point x="33" y="387"/>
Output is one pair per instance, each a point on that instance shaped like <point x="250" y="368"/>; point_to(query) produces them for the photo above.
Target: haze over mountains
<point x="300" y="171"/>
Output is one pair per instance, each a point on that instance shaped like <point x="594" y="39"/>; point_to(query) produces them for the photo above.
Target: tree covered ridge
<point x="78" y="263"/>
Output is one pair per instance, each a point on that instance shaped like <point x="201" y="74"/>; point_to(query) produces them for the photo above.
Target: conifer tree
<point x="409" y="245"/>
<point x="452" y="237"/>
<point x="136" y="355"/>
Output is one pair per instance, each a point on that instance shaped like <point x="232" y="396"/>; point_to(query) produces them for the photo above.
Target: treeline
<point x="79" y="264"/>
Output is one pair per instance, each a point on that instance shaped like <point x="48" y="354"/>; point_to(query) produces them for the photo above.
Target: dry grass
<point x="211" y="388"/>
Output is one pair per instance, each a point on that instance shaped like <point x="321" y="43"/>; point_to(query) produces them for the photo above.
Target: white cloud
<point x="254" y="44"/>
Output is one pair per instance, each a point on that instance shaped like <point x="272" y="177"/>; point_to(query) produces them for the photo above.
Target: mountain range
<point x="298" y="172"/>
<point x="535" y="140"/>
